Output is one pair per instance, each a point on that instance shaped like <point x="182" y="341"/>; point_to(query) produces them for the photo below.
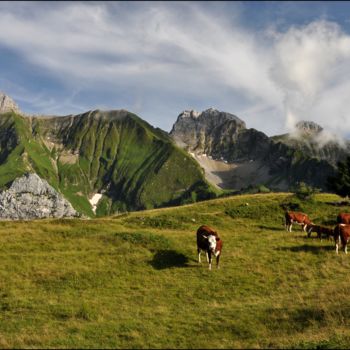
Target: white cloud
<point x="311" y="67"/>
<point x="182" y="50"/>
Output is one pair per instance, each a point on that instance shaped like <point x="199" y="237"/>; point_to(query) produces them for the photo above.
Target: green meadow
<point x="133" y="281"/>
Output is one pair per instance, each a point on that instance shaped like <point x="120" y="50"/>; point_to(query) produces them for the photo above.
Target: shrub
<point x="305" y="192"/>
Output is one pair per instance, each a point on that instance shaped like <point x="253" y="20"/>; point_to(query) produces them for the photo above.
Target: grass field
<point x="133" y="281"/>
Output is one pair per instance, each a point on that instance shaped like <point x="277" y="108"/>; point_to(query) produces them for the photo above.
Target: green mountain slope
<point x="115" y="153"/>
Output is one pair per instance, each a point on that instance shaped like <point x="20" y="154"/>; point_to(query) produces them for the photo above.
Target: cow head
<point x="212" y="242"/>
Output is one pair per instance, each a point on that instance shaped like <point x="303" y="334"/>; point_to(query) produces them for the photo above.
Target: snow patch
<point x="94" y="200"/>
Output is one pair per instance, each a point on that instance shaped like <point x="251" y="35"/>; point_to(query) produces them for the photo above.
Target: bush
<point x="305" y="192"/>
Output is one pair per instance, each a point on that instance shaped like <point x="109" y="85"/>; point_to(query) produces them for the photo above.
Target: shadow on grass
<point x="165" y="259"/>
<point x="272" y="228"/>
<point x="307" y="248"/>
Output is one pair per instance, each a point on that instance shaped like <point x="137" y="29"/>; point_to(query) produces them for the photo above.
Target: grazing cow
<point x="320" y="230"/>
<point x="343" y="218"/>
<point x="209" y="241"/>
<point x="341" y="234"/>
<point x="297" y="217"/>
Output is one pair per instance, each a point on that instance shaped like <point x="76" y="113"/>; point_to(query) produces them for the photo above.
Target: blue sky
<point x="270" y="63"/>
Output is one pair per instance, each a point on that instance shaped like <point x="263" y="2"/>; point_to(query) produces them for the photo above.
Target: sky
<point x="269" y="63"/>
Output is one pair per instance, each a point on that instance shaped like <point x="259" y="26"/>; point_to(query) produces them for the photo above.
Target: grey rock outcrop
<point x="219" y="134"/>
<point x="308" y="127"/>
<point x="31" y="197"/>
<point x="197" y="130"/>
<point x="7" y="104"/>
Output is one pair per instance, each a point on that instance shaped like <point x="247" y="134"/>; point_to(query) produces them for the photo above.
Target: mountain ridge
<point x="128" y="164"/>
<point x="253" y="158"/>
<point x="117" y="154"/>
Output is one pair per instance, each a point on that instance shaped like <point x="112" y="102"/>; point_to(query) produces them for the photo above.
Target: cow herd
<point x="340" y="233"/>
<point x="209" y="241"/>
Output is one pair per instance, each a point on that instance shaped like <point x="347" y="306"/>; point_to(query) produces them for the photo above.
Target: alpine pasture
<point x="133" y="280"/>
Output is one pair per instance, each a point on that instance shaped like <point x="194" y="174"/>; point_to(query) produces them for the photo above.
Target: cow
<point x="320" y="230"/>
<point x="343" y="218"/>
<point x="209" y="241"/>
<point x="341" y="234"/>
<point x="297" y="217"/>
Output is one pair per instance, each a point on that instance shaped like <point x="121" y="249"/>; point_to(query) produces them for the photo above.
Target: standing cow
<point x="341" y="234"/>
<point x="298" y="218"/>
<point x="343" y="218"/>
<point x="209" y="241"/>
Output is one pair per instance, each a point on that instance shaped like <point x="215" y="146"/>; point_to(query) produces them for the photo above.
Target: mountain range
<point x="236" y="157"/>
<point x="103" y="162"/>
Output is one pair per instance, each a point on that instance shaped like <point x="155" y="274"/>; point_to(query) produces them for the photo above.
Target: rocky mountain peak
<point x="192" y="125"/>
<point x="308" y="127"/>
<point x="206" y="132"/>
<point x="210" y="114"/>
<point x="7" y="104"/>
<point x="189" y="114"/>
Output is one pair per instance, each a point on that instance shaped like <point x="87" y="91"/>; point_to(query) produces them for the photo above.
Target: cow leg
<point x="209" y="259"/>
<point x="336" y="241"/>
<point x="206" y="253"/>
<point x="217" y="261"/>
<point x="287" y="225"/>
<point x="199" y="255"/>
<point x="309" y="233"/>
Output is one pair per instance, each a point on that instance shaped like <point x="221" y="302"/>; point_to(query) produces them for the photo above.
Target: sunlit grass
<point x="133" y="281"/>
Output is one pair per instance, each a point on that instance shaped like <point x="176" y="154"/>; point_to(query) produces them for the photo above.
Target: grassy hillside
<point x="132" y="281"/>
<point x="116" y="153"/>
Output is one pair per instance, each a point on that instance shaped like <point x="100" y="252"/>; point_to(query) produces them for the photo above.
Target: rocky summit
<point x="30" y="197"/>
<point x="308" y="127"/>
<point x="197" y="130"/>
<point x="7" y="104"/>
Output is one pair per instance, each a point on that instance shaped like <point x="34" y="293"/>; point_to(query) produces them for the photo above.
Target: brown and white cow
<point x="320" y="230"/>
<point x="343" y="218"/>
<point x="209" y="241"/>
<point x="341" y="234"/>
<point x="298" y="218"/>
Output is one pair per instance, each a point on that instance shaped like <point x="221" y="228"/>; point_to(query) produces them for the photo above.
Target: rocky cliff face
<point x="7" y="104"/>
<point x="218" y="134"/>
<point x="31" y="197"/>
<point x="197" y="131"/>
